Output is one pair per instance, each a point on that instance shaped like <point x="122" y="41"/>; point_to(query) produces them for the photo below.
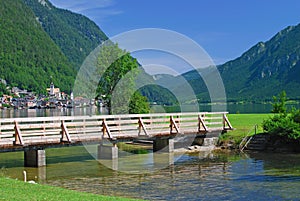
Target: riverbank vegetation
<point x="244" y="125"/>
<point x="285" y="124"/>
<point x="19" y="190"/>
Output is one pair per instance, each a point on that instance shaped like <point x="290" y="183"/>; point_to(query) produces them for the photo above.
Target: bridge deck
<point x="19" y="133"/>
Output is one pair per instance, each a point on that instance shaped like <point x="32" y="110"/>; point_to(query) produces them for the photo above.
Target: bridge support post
<point x="107" y="151"/>
<point x="163" y="145"/>
<point x="34" y="158"/>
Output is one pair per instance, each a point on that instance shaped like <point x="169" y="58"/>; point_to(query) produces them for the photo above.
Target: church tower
<point x="51" y="92"/>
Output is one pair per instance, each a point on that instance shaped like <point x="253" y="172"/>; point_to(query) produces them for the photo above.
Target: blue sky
<point x="224" y="28"/>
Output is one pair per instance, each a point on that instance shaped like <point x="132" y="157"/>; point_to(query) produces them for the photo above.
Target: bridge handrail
<point x="21" y="131"/>
<point x="121" y="116"/>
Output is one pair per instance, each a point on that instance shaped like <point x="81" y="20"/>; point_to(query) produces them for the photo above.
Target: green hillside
<point x="75" y="34"/>
<point x="260" y="73"/>
<point x="28" y="56"/>
<point x="266" y="69"/>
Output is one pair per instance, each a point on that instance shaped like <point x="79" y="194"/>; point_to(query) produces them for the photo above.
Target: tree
<point x="118" y="70"/>
<point x="279" y="103"/>
<point x="139" y="104"/>
<point x="3" y="89"/>
<point x="284" y="124"/>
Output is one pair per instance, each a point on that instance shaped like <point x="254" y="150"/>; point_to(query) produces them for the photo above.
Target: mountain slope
<point x="266" y="69"/>
<point x="261" y="72"/>
<point x="28" y="56"/>
<point x="75" y="34"/>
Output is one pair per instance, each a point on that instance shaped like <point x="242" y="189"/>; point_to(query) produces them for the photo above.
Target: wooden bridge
<point x="33" y="135"/>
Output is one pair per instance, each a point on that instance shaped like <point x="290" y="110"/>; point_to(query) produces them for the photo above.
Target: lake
<point x="222" y="176"/>
<point x="231" y="108"/>
<point x="12" y="113"/>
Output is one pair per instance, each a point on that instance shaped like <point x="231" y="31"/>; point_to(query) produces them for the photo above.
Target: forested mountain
<point x="40" y="43"/>
<point x="263" y="71"/>
<point x="28" y="56"/>
<point x="75" y="34"/>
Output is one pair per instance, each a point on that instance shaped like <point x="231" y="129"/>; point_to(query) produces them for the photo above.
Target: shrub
<point x="285" y="125"/>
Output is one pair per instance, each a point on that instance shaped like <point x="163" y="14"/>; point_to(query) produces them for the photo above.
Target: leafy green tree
<point x="139" y="104"/>
<point x="279" y="103"/>
<point x="118" y="70"/>
<point x="3" y="89"/>
<point x="284" y="124"/>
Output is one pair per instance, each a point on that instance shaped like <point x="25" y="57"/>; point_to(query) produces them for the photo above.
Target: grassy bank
<point x="18" y="190"/>
<point x="244" y="124"/>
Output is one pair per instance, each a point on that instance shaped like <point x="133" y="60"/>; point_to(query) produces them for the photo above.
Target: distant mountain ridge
<point x="261" y="72"/>
<point x="40" y="43"/>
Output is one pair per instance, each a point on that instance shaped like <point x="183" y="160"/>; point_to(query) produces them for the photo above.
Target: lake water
<point x="12" y="113"/>
<point x="230" y="176"/>
<point x="231" y="108"/>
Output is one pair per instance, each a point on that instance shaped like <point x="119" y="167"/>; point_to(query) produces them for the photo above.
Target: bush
<point x="285" y="125"/>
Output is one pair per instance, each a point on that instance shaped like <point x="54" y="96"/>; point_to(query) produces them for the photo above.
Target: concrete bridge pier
<point x="163" y="145"/>
<point x="34" y="157"/>
<point x="108" y="151"/>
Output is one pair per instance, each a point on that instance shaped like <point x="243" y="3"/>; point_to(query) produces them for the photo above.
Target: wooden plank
<point x="159" y="127"/>
<point x="81" y="124"/>
<point x="68" y="118"/>
<point x="213" y="123"/>
<point x="65" y="136"/>
<point x="195" y="118"/>
<point x="173" y="124"/>
<point x="142" y="127"/>
<point x="122" y="121"/>
<point x="106" y="129"/>
<point x="18" y="136"/>
<point x="201" y="124"/>
<point x="93" y="129"/>
<point x="226" y="121"/>
<point x="40" y="133"/>
<point x="4" y="136"/>
<point x="123" y="127"/>
<point x="7" y="127"/>
<point x="101" y="117"/>
<point x="214" y="118"/>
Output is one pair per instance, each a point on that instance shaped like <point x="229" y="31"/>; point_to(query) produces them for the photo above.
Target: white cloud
<point x="95" y="9"/>
<point x="82" y="5"/>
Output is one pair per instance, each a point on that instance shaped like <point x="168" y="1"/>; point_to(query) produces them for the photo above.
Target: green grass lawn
<point x="18" y="190"/>
<point x="244" y="125"/>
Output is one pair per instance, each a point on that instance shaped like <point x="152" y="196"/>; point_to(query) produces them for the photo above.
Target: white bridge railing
<point x="53" y="130"/>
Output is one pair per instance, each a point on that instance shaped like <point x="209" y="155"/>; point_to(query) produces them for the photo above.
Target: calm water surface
<point x="251" y="176"/>
<point x="12" y="113"/>
<point x="231" y="108"/>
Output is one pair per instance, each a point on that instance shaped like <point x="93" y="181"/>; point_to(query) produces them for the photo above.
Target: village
<point x="55" y="98"/>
